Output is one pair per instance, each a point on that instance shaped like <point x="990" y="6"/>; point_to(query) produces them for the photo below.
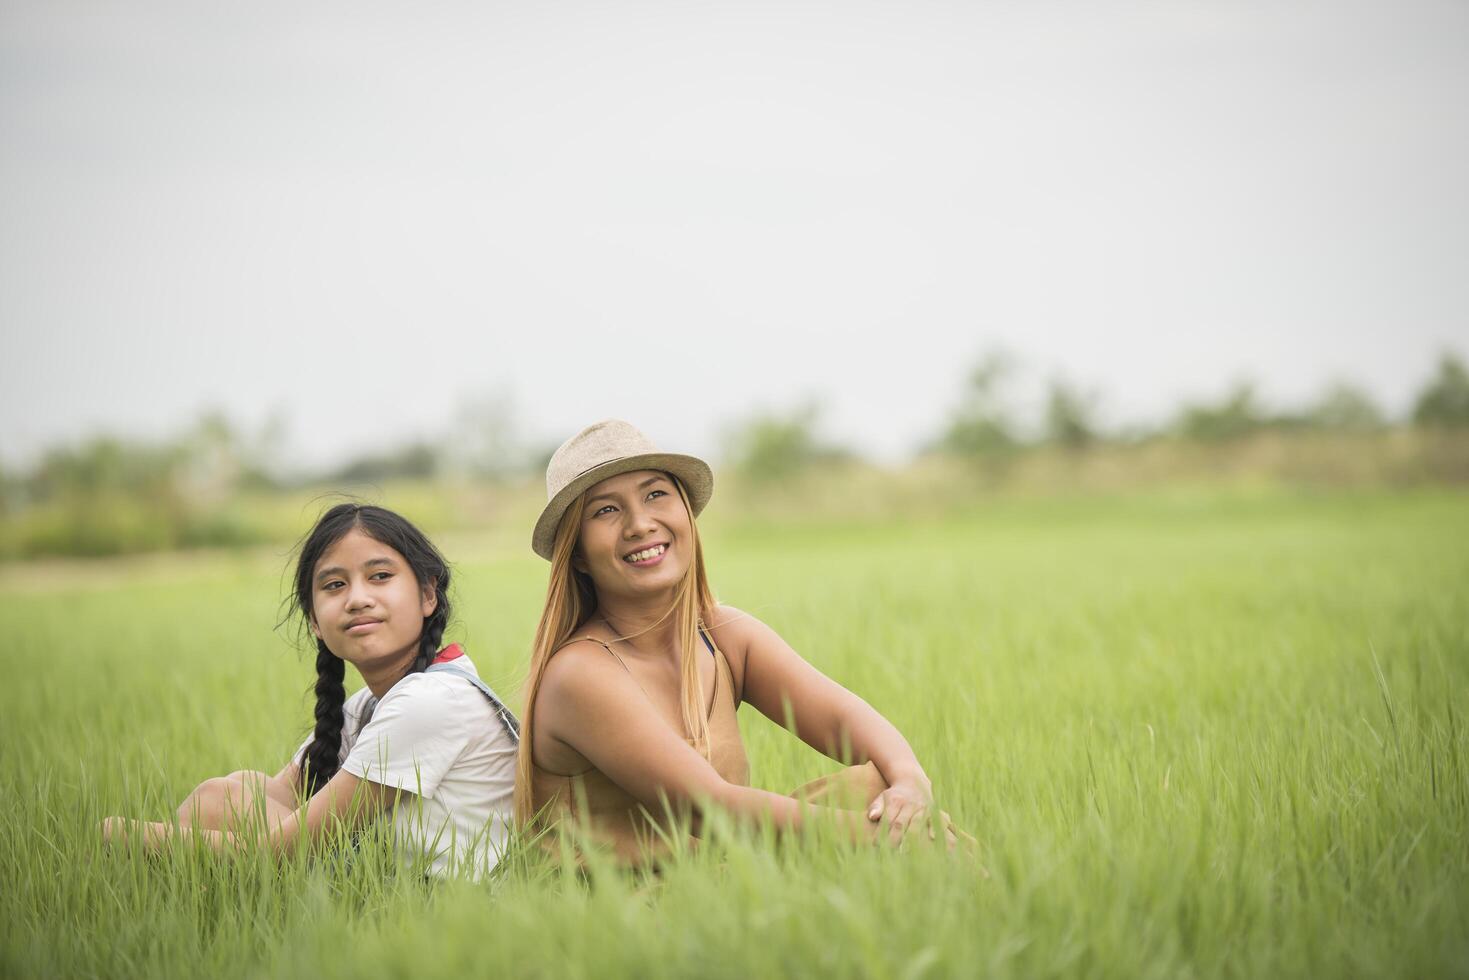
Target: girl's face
<point x="366" y="604"/>
<point x="636" y="535"/>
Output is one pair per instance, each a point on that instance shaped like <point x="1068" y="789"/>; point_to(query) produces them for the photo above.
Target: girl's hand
<point x="123" y="832"/>
<point x="900" y="805"/>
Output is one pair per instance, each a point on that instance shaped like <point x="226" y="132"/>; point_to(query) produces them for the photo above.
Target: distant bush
<point x="415" y="461"/>
<point x="1444" y="401"/>
<point x="982" y="424"/>
<point x="1237" y="414"/>
<point x="105" y="466"/>
<point x="108" y="495"/>
<point x="95" y="528"/>
<point x="484" y="440"/>
<point x="1344" y="407"/>
<point x="772" y="446"/>
<point x="1070" y="416"/>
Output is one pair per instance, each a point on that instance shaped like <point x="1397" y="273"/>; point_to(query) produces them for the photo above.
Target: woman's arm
<point x="788" y="690"/>
<point x="590" y="704"/>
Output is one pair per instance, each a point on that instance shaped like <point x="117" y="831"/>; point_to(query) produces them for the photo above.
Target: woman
<point x="637" y="672"/>
<point x="425" y="741"/>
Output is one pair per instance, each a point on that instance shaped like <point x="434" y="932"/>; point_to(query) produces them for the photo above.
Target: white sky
<point x="362" y="215"/>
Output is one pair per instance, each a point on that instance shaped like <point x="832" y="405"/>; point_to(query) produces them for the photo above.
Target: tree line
<point x="985" y="423"/>
<point x="112" y="494"/>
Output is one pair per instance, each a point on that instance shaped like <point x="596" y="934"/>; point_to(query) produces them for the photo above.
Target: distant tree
<point x="1444" y="401"/>
<point x="773" y="445"/>
<point x="1070" y="415"/>
<point x="106" y="465"/>
<point x="413" y="461"/>
<point x="108" y="495"/>
<point x="540" y="455"/>
<point x="212" y="457"/>
<point x="981" y="424"/>
<point x="485" y="439"/>
<point x="1345" y="407"/>
<point x="218" y="457"/>
<point x="1236" y="415"/>
<point x="263" y="455"/>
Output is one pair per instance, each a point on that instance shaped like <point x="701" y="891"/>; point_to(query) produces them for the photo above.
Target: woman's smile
<point x="630" y="526"/>
<point x="646" y="557"/>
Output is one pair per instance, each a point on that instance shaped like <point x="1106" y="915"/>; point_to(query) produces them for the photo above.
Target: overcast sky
<point x="360" y="216"/>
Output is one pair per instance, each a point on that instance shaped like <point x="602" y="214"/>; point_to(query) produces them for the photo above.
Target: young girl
<point x="637" y="672"/>
<point x="425" y="741"/>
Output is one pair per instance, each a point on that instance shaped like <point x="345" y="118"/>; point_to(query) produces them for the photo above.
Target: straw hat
<point x="606" y="449"/>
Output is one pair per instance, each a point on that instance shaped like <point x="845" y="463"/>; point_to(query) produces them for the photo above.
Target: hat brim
<point x="695" y="475"/>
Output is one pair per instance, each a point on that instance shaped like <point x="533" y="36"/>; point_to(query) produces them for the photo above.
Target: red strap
<point x="451" y="652"/>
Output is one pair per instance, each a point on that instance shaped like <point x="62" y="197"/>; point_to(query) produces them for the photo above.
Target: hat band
<point x="595" y="465"/>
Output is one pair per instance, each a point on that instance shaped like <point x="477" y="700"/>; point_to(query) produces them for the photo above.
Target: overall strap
<point x="368" y="708"/>
<point x="507" y="719"/>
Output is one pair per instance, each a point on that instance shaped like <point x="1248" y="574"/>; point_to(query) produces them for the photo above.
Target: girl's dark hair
<point x="320" y="761"/>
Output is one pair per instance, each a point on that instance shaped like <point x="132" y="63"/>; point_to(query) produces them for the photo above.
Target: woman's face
<point x="636" y="535"/>
<point x="366" y="604"/>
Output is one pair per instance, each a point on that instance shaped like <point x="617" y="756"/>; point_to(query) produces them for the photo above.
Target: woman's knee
<point x="852" y="788"/>
<point x="869" y="780"/>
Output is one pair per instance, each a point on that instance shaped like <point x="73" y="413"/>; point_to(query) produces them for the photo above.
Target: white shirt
<point x="436" y="736"/>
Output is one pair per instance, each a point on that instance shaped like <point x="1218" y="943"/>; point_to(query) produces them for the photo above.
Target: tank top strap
<point x="608" y="647"/>
<point x="721" y="666"/>
<point x="703" y="635"/>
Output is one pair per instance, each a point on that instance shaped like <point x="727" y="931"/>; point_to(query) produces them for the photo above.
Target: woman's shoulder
<point x="581" y="679"/>
<point x="732" y="628"/>
<point x="575" y="661"/>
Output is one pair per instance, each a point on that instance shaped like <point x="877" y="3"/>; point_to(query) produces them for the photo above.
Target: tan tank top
<point x="613" y="818"/>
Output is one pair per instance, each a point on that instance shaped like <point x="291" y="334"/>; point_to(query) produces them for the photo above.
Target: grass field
<point x="1197" y="735"/>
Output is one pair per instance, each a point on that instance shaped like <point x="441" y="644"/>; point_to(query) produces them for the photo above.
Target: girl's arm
<point x="346" y="802"/>
<point x="291" y="774"/>
<point x="828" y="717"/>
<point x="413" y="739"/>
<point x="590" y="704"/>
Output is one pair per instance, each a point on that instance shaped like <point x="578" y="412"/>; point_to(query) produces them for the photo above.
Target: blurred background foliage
<point x="773" y="446"/>
<point x="216" y="485"/>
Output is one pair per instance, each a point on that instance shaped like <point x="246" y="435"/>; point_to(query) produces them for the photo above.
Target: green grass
<point x="1197" y="735"/>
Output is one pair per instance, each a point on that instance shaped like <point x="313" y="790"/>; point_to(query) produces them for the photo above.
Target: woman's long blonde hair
<point x="571" y="599"/>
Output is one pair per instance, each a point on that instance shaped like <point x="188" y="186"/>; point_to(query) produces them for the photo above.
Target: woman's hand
<point x="901" y="804"/>
<point x="909" y="805"/>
